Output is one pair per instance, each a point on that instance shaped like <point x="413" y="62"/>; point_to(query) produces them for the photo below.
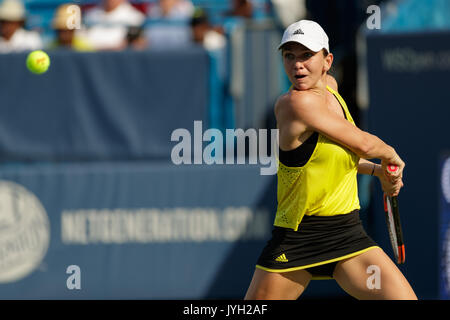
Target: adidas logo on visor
<point x="298" y="31"/>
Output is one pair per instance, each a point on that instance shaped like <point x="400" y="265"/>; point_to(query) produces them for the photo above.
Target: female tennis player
<point x="317" y="232"/>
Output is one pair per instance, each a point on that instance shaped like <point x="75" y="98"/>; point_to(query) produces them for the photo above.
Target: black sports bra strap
<point x="299" y="156"/>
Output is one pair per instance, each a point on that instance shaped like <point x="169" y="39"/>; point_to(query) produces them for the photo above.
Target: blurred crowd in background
<point x="94" y="25"/>
<point x="141" y="24"/>
<point x="114" y="24"/>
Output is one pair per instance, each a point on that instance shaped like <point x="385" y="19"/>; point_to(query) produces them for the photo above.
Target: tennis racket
<point x="393" y="224"/>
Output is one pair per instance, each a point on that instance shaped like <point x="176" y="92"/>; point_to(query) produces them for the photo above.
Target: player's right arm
<point x="311" y="110"/>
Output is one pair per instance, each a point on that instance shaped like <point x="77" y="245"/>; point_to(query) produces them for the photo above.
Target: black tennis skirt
<point x="317" y="246"/>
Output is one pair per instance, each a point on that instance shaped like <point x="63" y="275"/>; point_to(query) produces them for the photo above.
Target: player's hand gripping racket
<point x="394" y="224"/>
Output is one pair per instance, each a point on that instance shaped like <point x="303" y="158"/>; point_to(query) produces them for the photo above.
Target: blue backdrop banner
<point x="408" y="109"/>
<point x="132" y="230"/>
<point x="102" y="105"/>
<point x="444" y="226"/>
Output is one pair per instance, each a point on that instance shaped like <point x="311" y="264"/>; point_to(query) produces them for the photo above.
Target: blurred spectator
<point x="67" y="36"/>
<point x="13" y="36"/>
<point x="242" y="8"/>
<point x="289" y="11"/>
<point x="115" y="12"/>
<point x="204" y="34"/>
<point x="110" y="22"/>
<point x="175" y="9"/>
<point x="170" y="24"/>
<point x="135" y="39"/>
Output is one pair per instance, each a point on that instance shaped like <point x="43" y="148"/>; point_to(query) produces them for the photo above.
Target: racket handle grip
<point x="392" y="167"/>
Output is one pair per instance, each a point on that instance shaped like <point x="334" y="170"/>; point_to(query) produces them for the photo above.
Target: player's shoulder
<point x="332" y="83"/>
<point x="297" y="102"/>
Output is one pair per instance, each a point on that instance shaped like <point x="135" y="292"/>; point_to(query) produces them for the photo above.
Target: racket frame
<point x="394" y="227"/>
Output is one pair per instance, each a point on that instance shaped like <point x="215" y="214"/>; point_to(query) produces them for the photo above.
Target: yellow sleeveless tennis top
<point x="325" y="186"/>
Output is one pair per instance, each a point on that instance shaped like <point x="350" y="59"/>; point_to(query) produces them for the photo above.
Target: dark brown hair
<point x="283" y="47"/>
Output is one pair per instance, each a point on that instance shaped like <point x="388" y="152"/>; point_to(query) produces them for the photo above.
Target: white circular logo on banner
<point x="445" y="180"/>
<point x="24" y="232"/>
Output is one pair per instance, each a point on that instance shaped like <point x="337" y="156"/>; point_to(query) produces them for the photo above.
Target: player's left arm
<point x="364" y="166"/>
<point x="371" y="168"/>
<point x="368" y="167"/>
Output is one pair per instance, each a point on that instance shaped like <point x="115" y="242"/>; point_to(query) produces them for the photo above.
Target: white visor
<point x="308" y="33"/>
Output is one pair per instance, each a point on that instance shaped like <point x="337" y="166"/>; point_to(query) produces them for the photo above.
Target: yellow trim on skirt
<point x="317" y="264"/>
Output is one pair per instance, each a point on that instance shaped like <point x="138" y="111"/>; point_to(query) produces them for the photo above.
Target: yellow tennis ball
<point x="38" y="62"/>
